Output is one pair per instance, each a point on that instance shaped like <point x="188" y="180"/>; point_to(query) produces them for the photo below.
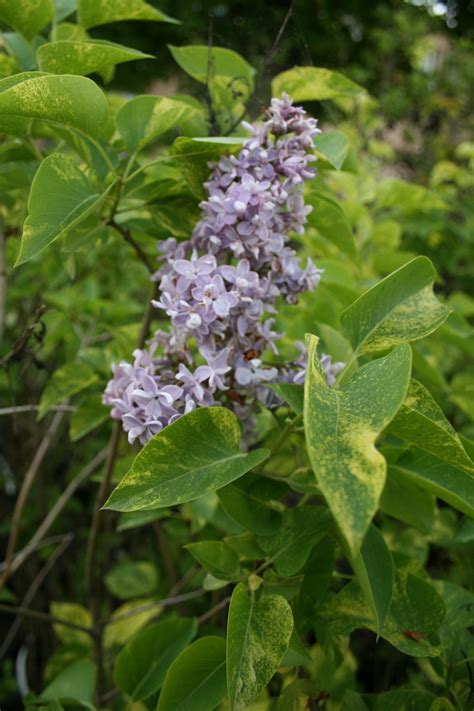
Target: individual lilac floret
<point x="219" y="288"/>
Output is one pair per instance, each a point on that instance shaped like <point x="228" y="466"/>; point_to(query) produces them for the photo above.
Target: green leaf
<point x="71" y="612"/>
<point x="258" y="634"/>
<point x="407" y="502"/>
<point x="128" y="619"/>
<point x="332" y="146"/>
<point x="217" y="558"/>
<point x="421" y="421"/>
<point x="144" y="118"/>
<point x="416" y="613"/>
<point x="303" y="527"/>
<point x="315" y="84"/>
<point x="70" y="57"/>
<point x="291" y="393"/>
<point x="341" y="428"/>
<point x="245" y="502"/>
<point x="141" y="665"/>
<point x="330" y="220"/>
<point x="196" y="679"/>
<point x="90" y="414"/>
<point x="203" y="63"/>
<point x="74" y="102"/>
<point x="373" y="566"/>
<point x="132" y="579"/>
<point x="61" y="197"/>
<point x="75" y="683"/>
<point x="407" y="197"/>
<point x="193" y="158"/>
<point x="93" y="13"/>
<point x="197" y="454"/>
<point x="27" y="16"/>
<point x="68" y="380"/>
<point x="448" y="483"/>
<point x="63" y="8"/>
<point x="442" y="704"/>
<point x="401" y="307"/>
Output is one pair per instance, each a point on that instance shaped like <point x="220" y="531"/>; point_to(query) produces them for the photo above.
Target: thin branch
<point x="36" y="540"/>
<point x="92" y="574"/>
<point x="148" y="316"/>
<point x="210" y="613"/>
<point x="34" y="408"/>
<point x="165" y="552"/>
<point x="24" y="491"/>
<point x="139" y="251"/>
<point x="21" y="343"/>
<point x="33" y="589"/>
<point x="3" y="279"/>
<point x="167" y="602"/>
<point x="281" y="31"/>
<point x="43" y="616"/>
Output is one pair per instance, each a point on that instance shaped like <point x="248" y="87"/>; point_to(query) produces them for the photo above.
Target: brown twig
<point x="34" y="408"/>
<point x="52" y="515"/>
<point x="167" y="602"/>
<point x="21" y="343"/>
<point x="3" y="278"/>
<point x="128" y="238"/>
<point x="24" y="491"/>
<point x="210" y="613"/>
<point x="44" y="616"/>
<point x="32" y="590"/>
<point x="165" y="552"/>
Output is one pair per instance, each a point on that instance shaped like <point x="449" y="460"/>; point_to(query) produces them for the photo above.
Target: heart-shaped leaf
<point x="170" y="471"/>
<point x="61" y="196"/>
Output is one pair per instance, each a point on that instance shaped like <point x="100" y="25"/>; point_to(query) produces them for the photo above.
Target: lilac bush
<point x="219" y="288"/>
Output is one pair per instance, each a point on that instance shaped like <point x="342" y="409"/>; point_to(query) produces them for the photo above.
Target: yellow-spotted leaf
<point x="72" y="57"/>
<point x="342" y="426"/>
<point x="197" y="454"/>
<point x="65" y="100"/>
<point x="416" y="613"/>
<point x="315" y="84"/>
<point x="61" y="196"/>
<point x="450" y="484"/>
<point x="421" y="421"/>
<point x="258" y="634"/>
<point x="27" y="16"/>
<point x="93" y="13"/>
<point x="144" y="118"/>
<point x="400" y="308"/>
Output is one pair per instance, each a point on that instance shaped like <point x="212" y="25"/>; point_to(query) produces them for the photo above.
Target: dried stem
<point x="43" y="616"/>
<point x="3" y="279"/>
<point x="33" y="589"/>
<point x="34" y="408"/>
<point x="68" y="492"/>
<point x="24" y="491"/>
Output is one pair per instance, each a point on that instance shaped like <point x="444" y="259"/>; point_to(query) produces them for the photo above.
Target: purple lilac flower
<point x="219" y="288"/>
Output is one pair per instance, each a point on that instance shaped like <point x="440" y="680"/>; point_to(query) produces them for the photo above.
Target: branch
<point x="34" y="408"/>
<point x="33" y="589"/>
<point x="128" y="238"/>
<point x="68" y="492"/>
<point x="167" y="602"/>
<point x="21" y="343"/>
<point x="43" y="616"/>
<point x="24" y="491"/>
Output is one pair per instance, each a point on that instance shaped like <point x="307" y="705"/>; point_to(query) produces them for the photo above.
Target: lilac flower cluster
<point x="219" y="288"/>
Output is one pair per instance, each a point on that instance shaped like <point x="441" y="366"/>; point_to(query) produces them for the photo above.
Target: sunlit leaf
<point x="341" y="428"/>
